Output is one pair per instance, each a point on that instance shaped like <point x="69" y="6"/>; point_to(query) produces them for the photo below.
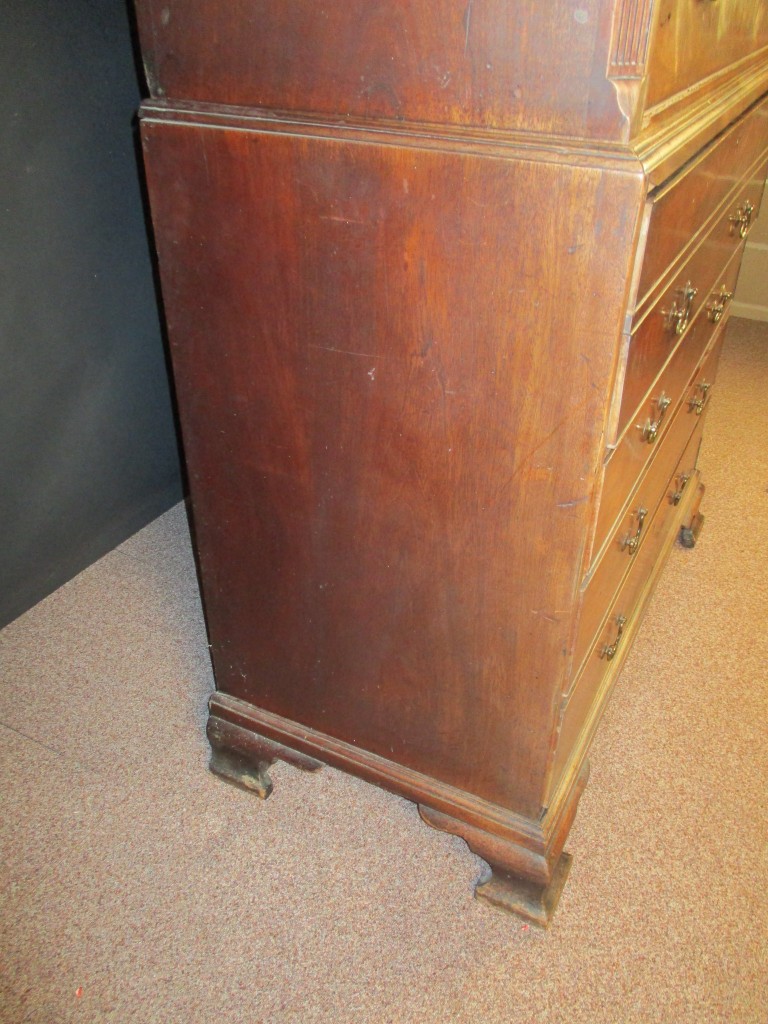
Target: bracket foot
<point x="535" y="902"/>
<point x="243" y="757"/>
<point x="525" y="875"/>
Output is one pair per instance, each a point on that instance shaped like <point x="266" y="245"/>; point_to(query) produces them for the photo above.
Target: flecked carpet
<point x="138" y="887"/>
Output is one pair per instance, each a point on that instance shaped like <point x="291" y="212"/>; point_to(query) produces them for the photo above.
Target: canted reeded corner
<point x="523" y="881"/>
<point x="243" y="757"/>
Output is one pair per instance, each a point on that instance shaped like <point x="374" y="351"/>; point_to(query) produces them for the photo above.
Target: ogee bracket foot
<point x="244" y="757"/>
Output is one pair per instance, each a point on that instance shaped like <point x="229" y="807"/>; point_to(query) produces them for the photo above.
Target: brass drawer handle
<point x="681" y="485"/>
<point x="609" y="650"/>
<point x="679" y="316"/>
<point x="631" y="543"/>
<point x="651" y="429"/>
<point x="697" y="404"/>
<point x="742" y="219"/>
<point x="716" y="310"/>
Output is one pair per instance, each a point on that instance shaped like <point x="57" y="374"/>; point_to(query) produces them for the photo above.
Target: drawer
<point x="658" y="483"/>
<point x="629" y="460"/>
<point x="626" y="541"/>
<point x="592" y="684"/>
<point x="658" y="357"/>
<point x="694" y="39"/>
<point x="684" y="470"/>
<point x="731" y="171"/>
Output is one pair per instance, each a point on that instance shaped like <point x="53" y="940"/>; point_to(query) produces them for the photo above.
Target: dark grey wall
<point x="87" y="443"/>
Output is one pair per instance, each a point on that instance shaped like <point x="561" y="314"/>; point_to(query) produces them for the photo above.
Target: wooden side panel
<point x="489" y="64"/>
<point x="392" y="368"/>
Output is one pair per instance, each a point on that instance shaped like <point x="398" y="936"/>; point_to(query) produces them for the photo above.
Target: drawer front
<point x="592" y="684"/>
<point x="635" y="451"/>
<point x="659" y="358"/>
<point x="697" y="38"/>
<point x="731" y="171"/>
<point x="658" y="484"/>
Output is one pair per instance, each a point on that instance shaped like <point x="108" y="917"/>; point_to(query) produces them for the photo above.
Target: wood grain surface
<point x="436" y="61"/>
<point x="696" y="38"/>
<point x="392" y="480"/>
<point x="419" y="264"/>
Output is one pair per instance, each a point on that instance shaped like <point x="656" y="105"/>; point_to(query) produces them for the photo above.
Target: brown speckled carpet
<point x="138" y="887"/>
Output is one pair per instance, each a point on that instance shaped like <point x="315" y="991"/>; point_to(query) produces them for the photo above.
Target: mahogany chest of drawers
<point x="445" y="284"/>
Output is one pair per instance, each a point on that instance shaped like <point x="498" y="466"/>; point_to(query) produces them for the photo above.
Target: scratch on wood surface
<point x="545" y="615"/>
<point x="572" y="504"/>
<point x="430" y="354"/>
<point x="205" y="158"/>
<point x="467" y="20"/>
<point x="528" y="457"/>
<point x="341" y="220"/>
<point x="346" y="352"/>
